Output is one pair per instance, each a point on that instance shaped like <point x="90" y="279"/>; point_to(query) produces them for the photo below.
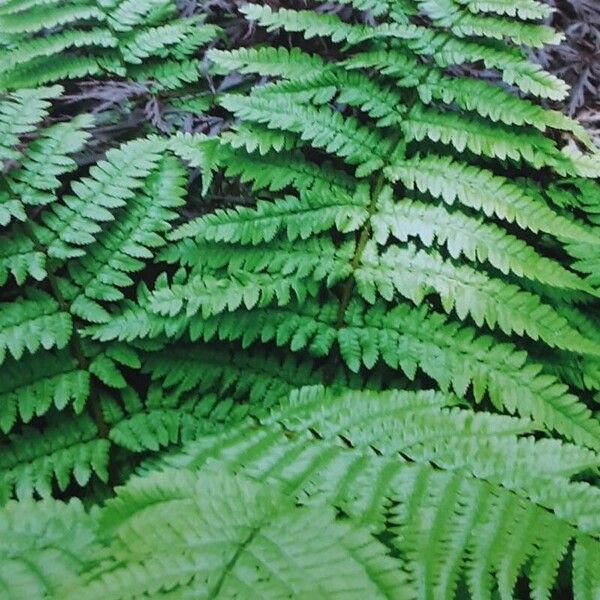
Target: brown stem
<point x="363" y="237"/>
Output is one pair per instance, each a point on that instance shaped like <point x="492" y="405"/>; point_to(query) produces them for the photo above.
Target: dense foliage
<point x="365" y="304"/>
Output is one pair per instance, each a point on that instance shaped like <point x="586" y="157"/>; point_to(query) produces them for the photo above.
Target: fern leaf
<point x="126" y="15"/>
<point x="36" y="48"/>
<point x="46" y="159"/>
<point x="489" y="101"/>
<point x="19" y="257"/>
<point x="524" y="9"/>
<point x="279" y="62"/>
<point x="40" y="17"/>
<point x="122" y="249"/>
<point x="477" y="188"/>
<point x="485" y="140"/>
<point x="33" y="386"/>
<point x="263" y="223"/>
<point x="451" y="13"/>
<point x="33" y="323"/>
<point x="362" y="567"/>
<point x="110" y="185"/>
<point x="34" y="461"/>
<point x="20" y="114"/>
<point x="45" y="70"/>
<point x="44" y="545"/>
<point x="321" y="126"/>
<point x="445" y="49"/>
<point x="456" y="522"/>
<point x="470" y="237"/>
<point x="412" y="273"/>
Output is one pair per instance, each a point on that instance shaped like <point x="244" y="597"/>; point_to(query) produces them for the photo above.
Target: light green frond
<point x="19" y="258"/>
<point x="524" y="9"/>
<point x="126" y="15"/>
<point x="485" y="139"/>
<point x="467" y="236"/>
<point x="43" y="546"/>
<point x="270" y="548"/>
<point x="445" y="49"/>
<point x="447" y="522"/>
<point x="44" y="160"/>
<point x="415" y="273"/>
<point x="45" y="17"/>
<point x="134" y="237"/>
<point x="323" y="127"/>
<point x="451" y="181"/>
<point x="586" y="583"/>
<point x="279" y="62"/>
<point x="45" y="70"/>
<point x="20" y="114"/>
<point x="463" y="22"/>
<point x="167" y="74"/>
<point x="288" y="215"/>
<point x="27" y="51"/>
<point x="277" y="170"/>
<point x="161" y="40"/>
<point x="489" y="101"/>
<point x="109" y="186"/>
<point x="402" y="338"/>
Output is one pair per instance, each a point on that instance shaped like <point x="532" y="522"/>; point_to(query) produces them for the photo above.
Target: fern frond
<point x="32" y="387"/>
<point x="33" y="461"/>
<point x="413" y="273"/>
<point x="47" y="42"/>
<point x="487" y="100"/>
<point x="485" y="140"/>
<point x="33" y="323"/>
<point x="246" y="225"/>
<point x="40" y="17"/>
<point x="110" y="185"/>
<point x="19" y="258"/>
<point x="467" y="236"/>
<point x="137" y="232"/>
<point x="126" y="15"/>
<point x="440" y="523"/>
<point x="20" y="114"/>
<point x="47" y="158"/>
<point x="323" y="127"/>
<point x="280" y="62"/>
<point x="44" y="545"/>
<point x="157" y="40"/>
<point x="166" y="75"/>
<point x="36" y="48"/>
<point x="402" y="338"/>
<point x="459" y="521"/>
<point x="524" y="9"/>
<point x="466" y="22"/>
<point x="444" y="49"/>
<point x="452" y="181"/>
<point x="244" y="541"/>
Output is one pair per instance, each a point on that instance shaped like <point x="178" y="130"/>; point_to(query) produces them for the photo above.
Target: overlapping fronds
<point x="369" y="216"/>
<point x="143" y="40"/>
<point x="449" y="500"/>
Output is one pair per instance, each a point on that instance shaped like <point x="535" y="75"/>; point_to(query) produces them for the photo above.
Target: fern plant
<point x="402" y="217"/>
<point x="422" y="242"/>
<point x="335" y="495"/>
<point x="141" y="40"/>
<point x="73" y="411"/>
<point x="63" y="256"/>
